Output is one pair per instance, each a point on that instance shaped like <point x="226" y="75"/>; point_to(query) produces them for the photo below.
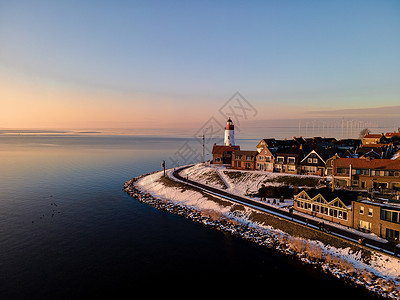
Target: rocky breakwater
<point x="206" y="217"/>
<point x="308" y="251"/>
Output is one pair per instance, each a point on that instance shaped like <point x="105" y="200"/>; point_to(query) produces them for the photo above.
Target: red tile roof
<point x="217" y="149"/>
<point x="373" y="136"/>
<point x="362" y="163"/>
<point x="392" y="134"/>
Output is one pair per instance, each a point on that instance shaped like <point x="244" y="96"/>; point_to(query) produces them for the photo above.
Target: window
<point x="315" y="160"/>
<point x="370" y="211"/>
<point x="280" y="159"/>
<point x="365" y="172"/>
<point x="291" y="168"/>
<point x="392" y="234"/>
<point x="291" y="160"/>
<point x="395" y="217"/>
<point x="333" y="212"/>
<point x="309" y="160"/>
<point x="361" y="210"/>
<point x="217" y="159"/>
<point x="342" y="215"/>
<point x="364" y="225"/>
<point x="342" y="170"/>
<point x="390" y="216"/>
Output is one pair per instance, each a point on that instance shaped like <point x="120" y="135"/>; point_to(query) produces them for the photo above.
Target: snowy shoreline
<point x="378" y="273"/>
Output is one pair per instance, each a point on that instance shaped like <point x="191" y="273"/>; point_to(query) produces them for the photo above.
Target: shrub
<point x="275" y="192"/>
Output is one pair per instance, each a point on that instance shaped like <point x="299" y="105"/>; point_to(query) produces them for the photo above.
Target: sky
<point x="173" y="64"/>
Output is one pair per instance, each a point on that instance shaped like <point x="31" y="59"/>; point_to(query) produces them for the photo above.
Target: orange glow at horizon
<point x="38" y="104"/>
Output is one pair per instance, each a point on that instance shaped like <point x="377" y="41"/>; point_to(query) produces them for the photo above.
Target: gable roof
<point x="266" y="149"/>
<point x="362" y="163"/>
<point x="220" y="149"/>
<point x="373" y="136"/>
<point x="315" y="152"/>
<point x="245" y="152"/>
<point x="268" y="143"/>
<point x="323" y="154"/>
<point x="392" y="134"/>
<point x="345" y="196"/>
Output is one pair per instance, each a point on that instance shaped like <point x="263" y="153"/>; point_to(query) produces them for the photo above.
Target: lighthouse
<point x="229" y="139"/>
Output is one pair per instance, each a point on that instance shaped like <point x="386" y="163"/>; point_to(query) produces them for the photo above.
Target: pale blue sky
<point x="188" y="57"/>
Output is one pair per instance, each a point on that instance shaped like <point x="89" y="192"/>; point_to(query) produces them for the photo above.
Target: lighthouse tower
<point x="229" y="139"/>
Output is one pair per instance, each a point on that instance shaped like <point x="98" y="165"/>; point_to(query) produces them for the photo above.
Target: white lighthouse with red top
<point x="229" y="139"/>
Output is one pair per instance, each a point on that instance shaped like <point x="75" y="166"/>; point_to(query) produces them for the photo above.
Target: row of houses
<point x="368" y="164"/>
<point x="350" y="162"/>
<point x="379" y="217"/>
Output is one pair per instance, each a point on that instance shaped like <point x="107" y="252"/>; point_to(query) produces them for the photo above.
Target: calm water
<point x="67" y="230"/>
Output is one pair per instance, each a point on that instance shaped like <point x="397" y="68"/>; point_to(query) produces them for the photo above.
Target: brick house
<point x="378" y="217"/>
<point x="244" y="160"/>
<point x="334" y="206"/>
<point x="223" y="154"/>
<point x="314" y="163"/>
<point x="366" y="174"/>
<point x="287" y="160"/>
<point x="265" y="160"/>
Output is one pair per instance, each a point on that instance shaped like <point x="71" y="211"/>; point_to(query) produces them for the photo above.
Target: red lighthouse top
<point x="229" y="124"/>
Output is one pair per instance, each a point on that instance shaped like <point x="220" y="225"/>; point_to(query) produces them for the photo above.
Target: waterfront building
<point x="377" y="216"/>
<point x="334" y="206"/>
<point x="244" y="160"/>
<point x="314" y="163"/>
<point x="287" y="160"/>
<point x="265" y="160"/>
<point x="223" y="154"/>
<point x="366" y="174"/>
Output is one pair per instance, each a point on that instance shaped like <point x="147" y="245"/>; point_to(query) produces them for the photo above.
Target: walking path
<point x="333" y="229"/>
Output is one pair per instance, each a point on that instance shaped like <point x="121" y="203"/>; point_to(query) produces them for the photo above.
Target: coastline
<point x="347" y="263"/>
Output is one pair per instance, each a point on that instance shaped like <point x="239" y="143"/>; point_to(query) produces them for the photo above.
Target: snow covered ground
<point x="380" y="272"/>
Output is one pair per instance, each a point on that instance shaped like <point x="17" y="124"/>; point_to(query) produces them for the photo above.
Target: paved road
<point x="264" y="207"/>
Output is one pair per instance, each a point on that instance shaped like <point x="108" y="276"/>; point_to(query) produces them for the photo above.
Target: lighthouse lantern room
<point x="229" y="139"/>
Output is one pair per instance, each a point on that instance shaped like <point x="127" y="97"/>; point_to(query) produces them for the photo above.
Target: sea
<point x="69" y="231"/>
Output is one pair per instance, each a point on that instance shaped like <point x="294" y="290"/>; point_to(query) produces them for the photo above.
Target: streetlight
<point x="203" y="136"/>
